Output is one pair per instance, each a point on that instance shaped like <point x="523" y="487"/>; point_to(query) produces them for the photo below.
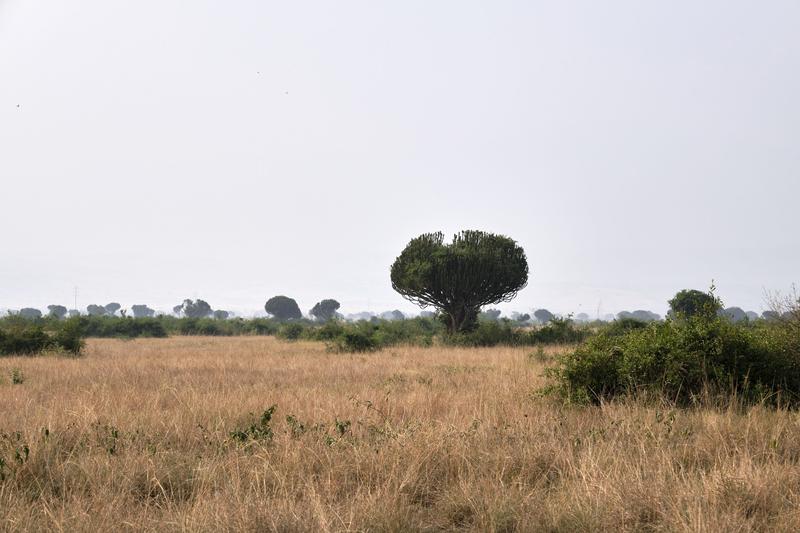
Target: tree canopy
<point x="58" y="311"/>
<point x="476" y="269"/>
<point x="283" y="308"/>
<point x="30" y="313"/>
<point x="543" y="315"/>
<point x="195" y="309"/>
<point x="142" y="311"/>
<point x="691" y="302"/>
<point x="95" y="310"/>
<point x="325" y="310"/>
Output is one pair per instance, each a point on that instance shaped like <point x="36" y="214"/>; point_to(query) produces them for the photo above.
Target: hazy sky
<point x="152" y="151"/>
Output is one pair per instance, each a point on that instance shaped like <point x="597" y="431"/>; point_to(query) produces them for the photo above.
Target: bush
<point x="291" y="331"/>
<point x="355" y="341"/>
<point x="559" y="331"/>
<point x="487" y="333"/>
<point x="28" y="338"/>
<point x="680" y="361"/>
<point x="623" y="326"/>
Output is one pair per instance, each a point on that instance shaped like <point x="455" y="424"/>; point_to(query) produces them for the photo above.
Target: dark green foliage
<point x="257" y="431"/>
<point x="680" y="360"/>
<point x="21" y="337"/>
<point x="690" y="302"/>
<point x="325" y="310"/>
<point x="291" y="331"/>
<point x="504" y="332"/>
<point x="199" y="326"/>
<point x="488" y="333"/>
<point x="558" y="331"/>
<point x="283" y="308"/>
<point x="119" y="327"/>
<point x="354" y="341"/>
<point x="161" y="326"/>
<point x="57" y="311"/>
<point x="69" y="336"/>
<point x="475" y="270"/>
<point x="623" y="326"/>
<point x="112" y="308"/>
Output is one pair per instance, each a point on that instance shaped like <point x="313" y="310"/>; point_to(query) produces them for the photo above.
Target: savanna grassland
<point x="177" y="434"/>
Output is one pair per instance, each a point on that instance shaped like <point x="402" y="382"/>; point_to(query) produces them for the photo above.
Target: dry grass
<point x="439" y="439"/>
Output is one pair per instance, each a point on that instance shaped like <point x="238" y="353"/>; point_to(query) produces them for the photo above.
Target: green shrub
<point x="623" y="326"/>
<point x="291" y="331"/>
<point x="680" y="361"/>
<point x="354" y="341"/>
<point x="28" y="338"/>
<point x="558" y="331"/>
<point x="487" y="333"/>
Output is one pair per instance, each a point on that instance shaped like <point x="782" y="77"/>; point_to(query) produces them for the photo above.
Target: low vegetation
<point x="22" y="336"/>
<point x="181" y="434"/>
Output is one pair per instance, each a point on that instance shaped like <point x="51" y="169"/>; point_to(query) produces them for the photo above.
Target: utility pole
<point x="75" y="302"/>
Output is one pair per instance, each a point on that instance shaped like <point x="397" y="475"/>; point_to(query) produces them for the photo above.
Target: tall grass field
<point x="260" y="434"/>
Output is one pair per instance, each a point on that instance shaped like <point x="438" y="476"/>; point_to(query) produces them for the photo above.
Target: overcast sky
<point x="152" y="151"/>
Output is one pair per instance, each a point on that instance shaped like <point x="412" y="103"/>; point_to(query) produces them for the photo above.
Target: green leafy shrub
<point x="623" y="326"/>
<point x="680" y="360"/>
<point x="291" y="331"/>
<point x="559" y="331"/>
<point x="28" y="338"/>
<point x="355" y="341"/>
<point x="257" y="431"/>
<point x="487" y="333"/>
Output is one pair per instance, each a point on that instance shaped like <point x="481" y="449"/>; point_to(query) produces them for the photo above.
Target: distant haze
<point x="156" y="151"/>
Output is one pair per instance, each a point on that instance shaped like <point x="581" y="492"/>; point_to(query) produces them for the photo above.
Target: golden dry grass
<point x="139" y="439"/>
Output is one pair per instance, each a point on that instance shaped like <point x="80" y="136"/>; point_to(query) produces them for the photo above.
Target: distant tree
<point x="363" y="315"/>
<point x="734" y="314"/>
<point x="770" y="315"/>
<point x="645" y="316"/>
<point x="520" y="317"/>
<point x="492" y="315"/>
<point x="392" y="315"/>
<point x="95" y="310"/>
<point x="74" y="313"/>
<point x="476" y="269"/>
<point x="543" y="315"/>
<point x="691" y="302"/>
<point x="752" y="316"/>
<point x="219" y="314"/>
<point x="195" y="308"/>
<point x="283" y="308"/>
<point x="582" y="317"/>
<point x="30" y="313"/>
<point x="177" y="310"/>
<point x="141" y="311"/>
<point x="112" y="308"/>
<point x="427" y="314"/>
<point x="325" y="310"/>
<point x="57" y="311"/>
